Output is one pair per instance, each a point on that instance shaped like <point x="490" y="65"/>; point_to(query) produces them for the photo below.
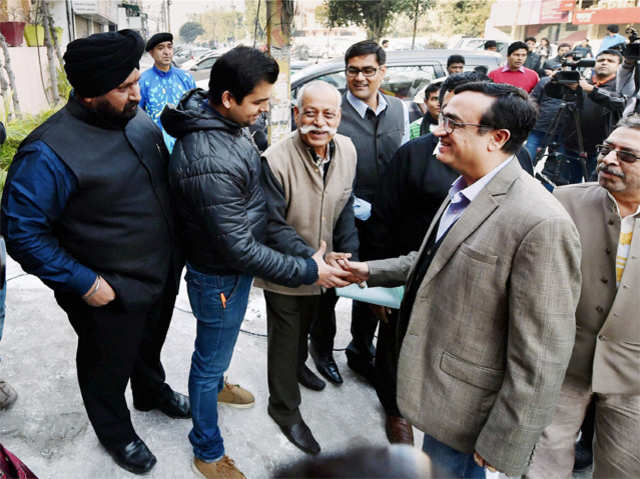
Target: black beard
<point x="109" y="114"/>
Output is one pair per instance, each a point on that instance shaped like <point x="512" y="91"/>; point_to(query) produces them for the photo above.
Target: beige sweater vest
<point x="313" y="205"/>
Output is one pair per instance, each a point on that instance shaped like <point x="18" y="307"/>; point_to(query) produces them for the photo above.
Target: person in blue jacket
<point x="163" y="83"/>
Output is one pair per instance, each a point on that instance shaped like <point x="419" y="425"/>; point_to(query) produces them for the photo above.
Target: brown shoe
<point x="8" y="395"/>
<point x="225" y="468"/>
<point x="235" y="396"/>
<point x="399" y="431"/>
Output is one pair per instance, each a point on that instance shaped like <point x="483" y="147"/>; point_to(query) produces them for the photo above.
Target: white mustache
<point x="603" y="167"/>
<point x="323" y="129"/>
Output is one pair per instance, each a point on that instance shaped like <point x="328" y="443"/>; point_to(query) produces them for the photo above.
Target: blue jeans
<point x="218" y="328"/>
<point x="534" y="140"/>
<point x="448" y="462"/>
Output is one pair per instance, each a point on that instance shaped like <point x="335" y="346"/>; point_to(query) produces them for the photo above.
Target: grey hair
<point x="631" y="121"/>
<point x="317" y="83"/>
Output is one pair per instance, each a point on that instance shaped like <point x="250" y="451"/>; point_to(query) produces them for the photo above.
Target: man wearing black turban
<point x="86" y="209"/>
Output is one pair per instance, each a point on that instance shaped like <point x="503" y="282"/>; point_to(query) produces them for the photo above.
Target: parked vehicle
<point x="477" y="43"/>
<point x="200" y="68"/>
<point x="408" y="72"/>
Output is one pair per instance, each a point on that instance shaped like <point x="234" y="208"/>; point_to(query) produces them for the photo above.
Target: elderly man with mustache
<point x="308" y="179"/>
<point x="606" y="357"/>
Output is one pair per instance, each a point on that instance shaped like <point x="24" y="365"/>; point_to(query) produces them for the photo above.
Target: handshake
<point x="335" y="269"/>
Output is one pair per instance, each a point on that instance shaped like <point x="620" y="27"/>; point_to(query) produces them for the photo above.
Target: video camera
<point x="631" y="51"/>
<point x="558" y="86"/>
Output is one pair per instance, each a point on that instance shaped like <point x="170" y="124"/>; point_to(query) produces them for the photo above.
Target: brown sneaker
<point x="235" y="396"/>
<point x="8" y="395"/>
<point x="225" y="468"/>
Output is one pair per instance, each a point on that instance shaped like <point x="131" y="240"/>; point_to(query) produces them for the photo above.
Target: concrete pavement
<point x="49" y="430"/>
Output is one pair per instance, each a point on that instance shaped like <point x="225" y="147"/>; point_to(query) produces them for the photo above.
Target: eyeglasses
<point x="368" y="72"/>
<point x="448" y="124"/>
<point x="626" y="156"/>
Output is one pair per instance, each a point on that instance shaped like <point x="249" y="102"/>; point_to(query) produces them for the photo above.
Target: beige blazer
<point x="607" y="350"/>
<point x="491" y="330"/>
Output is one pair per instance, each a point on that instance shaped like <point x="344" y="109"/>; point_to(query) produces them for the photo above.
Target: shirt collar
<point x="160" y="73"/>
<point x="459" y="190"/>
<point x="361" y="107"/>
<point x="615" y="203"/>
<point x="507" y="69"/>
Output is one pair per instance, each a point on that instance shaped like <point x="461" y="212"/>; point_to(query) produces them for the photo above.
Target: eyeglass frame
<point x="457" y="124"/>
<point x="361" y="70"/>
<point x="618" y="152"/>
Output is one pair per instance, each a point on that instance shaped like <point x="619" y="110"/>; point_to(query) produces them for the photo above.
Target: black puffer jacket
<point x="214" y="173"/>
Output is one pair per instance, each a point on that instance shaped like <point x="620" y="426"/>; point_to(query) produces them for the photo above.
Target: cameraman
<point x="602" y="107"/>
<point x="626" y="81"/>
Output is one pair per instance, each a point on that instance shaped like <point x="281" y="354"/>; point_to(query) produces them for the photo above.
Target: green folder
<point x="389" y="297"/>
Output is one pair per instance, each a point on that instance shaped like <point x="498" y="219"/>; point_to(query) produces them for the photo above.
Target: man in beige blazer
<point x="488" y="316"/>
<point x="605" y="366"/>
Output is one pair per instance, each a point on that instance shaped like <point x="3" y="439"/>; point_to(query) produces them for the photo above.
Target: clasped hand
<point x="335" y="269"/>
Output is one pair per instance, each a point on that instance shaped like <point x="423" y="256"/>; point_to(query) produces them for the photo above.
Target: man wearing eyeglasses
<point x="377" y="124"/>
<point x="487" y="322"/>
<point x="605" y="366"/>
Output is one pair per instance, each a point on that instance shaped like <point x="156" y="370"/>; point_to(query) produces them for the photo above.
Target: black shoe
<point x="300" y="436"/>
<point x="326" y="366"/>
<point x="310" y="380"/>
<point x="584" y="457"/>
<point x="361" y="365"/>
<point x="134" y="457"/>
<point x="173" y="404"/>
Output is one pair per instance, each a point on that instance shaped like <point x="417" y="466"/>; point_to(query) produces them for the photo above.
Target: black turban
<point x="99" y="63"/>
<point x="158" y="38"/>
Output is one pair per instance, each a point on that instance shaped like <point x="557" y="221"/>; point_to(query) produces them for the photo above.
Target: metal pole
<point x="169" y="16"/>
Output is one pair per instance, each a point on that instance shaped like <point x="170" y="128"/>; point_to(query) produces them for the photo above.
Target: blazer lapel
<point x="473" y="216"/>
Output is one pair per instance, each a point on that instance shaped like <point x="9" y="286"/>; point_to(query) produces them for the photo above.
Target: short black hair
<point x="512" y="110"/>
<point x="455" y="59"/>
<point x="613" y="28"/>
<point x="365" y="47"/>
<point x="516" y="46"/>
<point x="530" y="38"/>
<point x="454" y="81"/>
<point x="564" y="45"/>
<point x="611" y="51"/>
<point x="490" y="44"/>
<point x="431" y="88"/>
<point x="239" y="71"/>
<point x="482" y="69"/>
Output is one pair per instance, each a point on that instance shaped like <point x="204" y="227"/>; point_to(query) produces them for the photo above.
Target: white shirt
<point x="624" y="241"/>
<point x="462" y="195"/>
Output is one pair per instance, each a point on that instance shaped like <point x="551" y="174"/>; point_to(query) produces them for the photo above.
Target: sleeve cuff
<point x="82" y="280"/>
<point x="311" y="271"/>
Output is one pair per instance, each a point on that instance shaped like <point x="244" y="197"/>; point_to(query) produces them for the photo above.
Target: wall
<point x="24" y="62"/>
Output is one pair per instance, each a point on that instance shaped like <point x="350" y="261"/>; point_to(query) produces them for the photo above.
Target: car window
<point x="206" y="64"/>
<point x="406" y="81"/>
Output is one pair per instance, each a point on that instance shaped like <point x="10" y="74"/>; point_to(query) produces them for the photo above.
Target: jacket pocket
<point x="470" y="373"/>
<point x="477" y="255"/>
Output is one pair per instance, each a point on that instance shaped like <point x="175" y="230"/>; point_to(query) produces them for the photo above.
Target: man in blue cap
<point x="163" y="83"/>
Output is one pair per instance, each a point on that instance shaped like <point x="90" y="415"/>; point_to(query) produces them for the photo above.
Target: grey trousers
<point x="616" y="447"/>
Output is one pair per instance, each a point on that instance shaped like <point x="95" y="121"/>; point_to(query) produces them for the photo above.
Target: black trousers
<point x="289" y="320"/>
<point x="323" y="328"/>
<point x="114" y="346"/>
<point x="386" y="364"/>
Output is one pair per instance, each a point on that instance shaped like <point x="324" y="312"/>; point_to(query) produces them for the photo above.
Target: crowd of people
<point x="518" y="309"/>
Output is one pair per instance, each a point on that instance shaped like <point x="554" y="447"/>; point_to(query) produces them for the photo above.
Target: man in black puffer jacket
<point x="215" y="179"/>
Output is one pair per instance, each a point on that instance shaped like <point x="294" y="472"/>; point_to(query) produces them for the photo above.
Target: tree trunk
<point x="415" y="24"/>
<point x="12" y="78"/>
<point x="51" y="57"/>
<point x="56" y="45"/>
